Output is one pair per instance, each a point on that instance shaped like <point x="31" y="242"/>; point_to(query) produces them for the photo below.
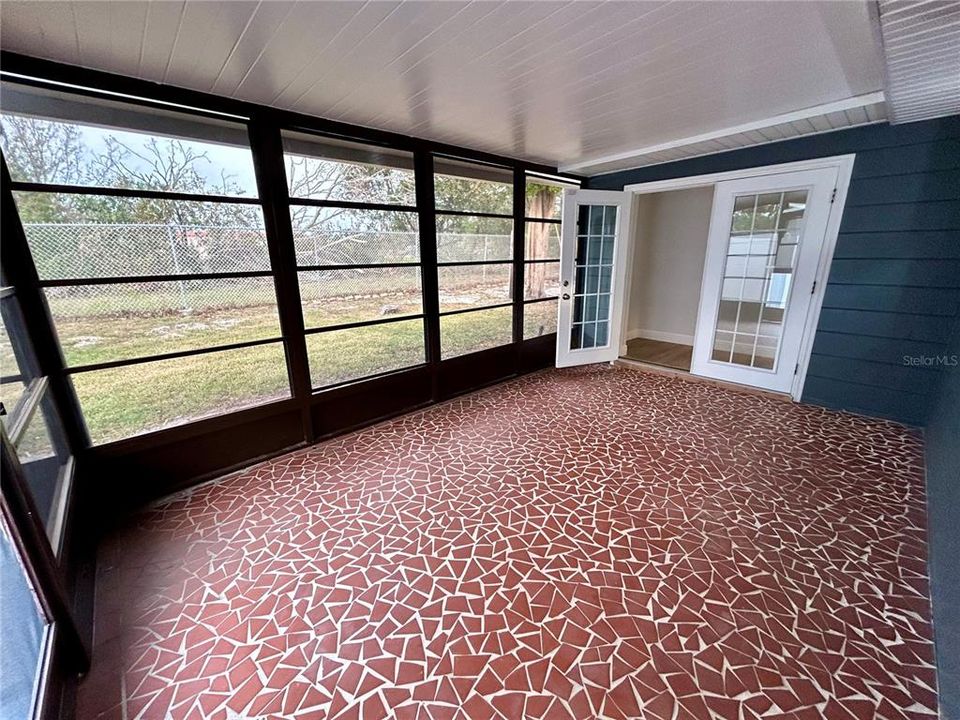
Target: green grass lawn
<point x="125" y="401"/>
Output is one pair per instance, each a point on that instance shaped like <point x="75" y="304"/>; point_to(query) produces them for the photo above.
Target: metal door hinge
<point x="796" y="368"/>
<point x="833" y="196"/>
<point x="814" y="288"/>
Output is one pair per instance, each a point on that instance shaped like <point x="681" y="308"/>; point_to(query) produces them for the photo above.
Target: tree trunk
<point x="538" y="243"/>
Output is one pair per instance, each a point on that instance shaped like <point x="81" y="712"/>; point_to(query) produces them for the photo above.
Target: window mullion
<point x="427" y="223"/>
<point x="267" y="148"/>
<point x="519" y="239"/>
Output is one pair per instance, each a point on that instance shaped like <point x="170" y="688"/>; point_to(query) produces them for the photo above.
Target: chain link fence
<point x="86" y="251"/>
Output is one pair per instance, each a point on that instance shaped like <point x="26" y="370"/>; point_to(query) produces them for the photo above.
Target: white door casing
<point x="597" y="225"/>
<point x="754" y="312"/>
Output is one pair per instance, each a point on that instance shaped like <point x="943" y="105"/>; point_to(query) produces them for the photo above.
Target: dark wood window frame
<point x="111" y="478"/>
<point x="174" y="457"/>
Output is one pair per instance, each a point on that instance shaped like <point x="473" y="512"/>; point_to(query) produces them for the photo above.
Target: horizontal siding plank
<point x="889" y="351"/>
<point x="902" y="244"/>
<point x="923" y="157"/>
<point x="941" y="185"/>
<point x="880" y="375"/>
<point x="896" y="271"/>
<point x="920" y="301"/>
<point x="854" y="140"/>
<point x="905" y="407"/>
<point x="937" y="215"/>
<point x="894" y="285"/>
<point x="925" y="328"/>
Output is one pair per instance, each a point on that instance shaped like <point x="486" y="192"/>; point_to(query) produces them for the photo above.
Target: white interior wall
<point x="669" y="251"/>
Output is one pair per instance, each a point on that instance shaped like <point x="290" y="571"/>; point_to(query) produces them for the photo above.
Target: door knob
<point x="566" y="296"/>
<point x="566" y="283"/>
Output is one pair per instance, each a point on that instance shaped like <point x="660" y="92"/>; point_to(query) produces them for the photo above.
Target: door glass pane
<point x="22" y="626"/>
<point x="593" y="273"/>
<point x="761" y="257"/>
<point x="16" y="369"/>
<point x="42" y="457"/>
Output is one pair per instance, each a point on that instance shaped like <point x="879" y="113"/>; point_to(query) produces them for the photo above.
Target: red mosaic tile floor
<point x="589" y="543"/>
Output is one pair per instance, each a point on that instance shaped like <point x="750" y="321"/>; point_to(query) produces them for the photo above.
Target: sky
<point x="234" y="161"/>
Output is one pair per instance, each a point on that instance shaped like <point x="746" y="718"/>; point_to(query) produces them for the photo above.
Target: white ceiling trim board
<point x="758" y="126"/>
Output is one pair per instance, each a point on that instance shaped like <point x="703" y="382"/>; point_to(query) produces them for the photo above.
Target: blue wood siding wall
<point x="894" y="286"/>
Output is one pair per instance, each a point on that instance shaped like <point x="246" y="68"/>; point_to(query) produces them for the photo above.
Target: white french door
<point x="593" y="259"/>
<point x="763" y="252"/>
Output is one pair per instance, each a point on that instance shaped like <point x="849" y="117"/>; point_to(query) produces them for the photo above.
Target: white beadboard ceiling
<point x="921" y="42"/>
<point x="572" y="84"/>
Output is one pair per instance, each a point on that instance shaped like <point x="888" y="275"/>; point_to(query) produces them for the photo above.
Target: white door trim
<point x="617" y="319"/>
<point x="844" y="169"/>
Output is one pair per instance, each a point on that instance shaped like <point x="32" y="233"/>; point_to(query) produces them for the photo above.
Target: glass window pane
<point x="42" y="459"/>
<point x="335" y="236"/>
<point x="338" y="297"/>
<point x="539" y="318"/>
<point x="98" y="237"/>
<point x="743" y="207"/>
<point x="22" y="626"/>
<point x="134" y="399"/>
<point x="99" y="323"/>
<point x="768" y="212"/>
<point x="333" y="169"/>
<point x="722" y="346"/>
<point x="469" y="187"/>
<point x="464" y="286"/>
<point x="474" y="331"/>
<point x="54" y="137"/>
<point x="542" y="241"/>
<point x="16" y="365"/>
<point x="342" y="355"/>
<point x="759" y="271"/>
<point x="593" y="275"/>
<point x="541" y="280"/>
<point x="469" y="238"/>
<point x="544" y="199"/>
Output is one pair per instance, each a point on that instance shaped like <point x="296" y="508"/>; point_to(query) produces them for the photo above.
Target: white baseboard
<point x="678" y="338"/>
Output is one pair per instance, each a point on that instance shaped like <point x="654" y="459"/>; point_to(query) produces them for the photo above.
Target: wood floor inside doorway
<point x="657" y="352"/>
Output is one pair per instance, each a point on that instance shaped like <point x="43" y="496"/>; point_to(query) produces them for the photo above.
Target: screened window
<point x="357" y="242"/>
<point x="30" y="421"/>
<point x="56" y="138"/>
<point x="541" y="268"/>
<point x="472" y="188"/>
<point x="162" y="297"/>
<point x="474" y="205"/>
<point x="335" y="169"/>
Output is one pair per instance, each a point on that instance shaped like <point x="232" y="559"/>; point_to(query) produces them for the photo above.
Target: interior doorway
<point x="666" y="269"/>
